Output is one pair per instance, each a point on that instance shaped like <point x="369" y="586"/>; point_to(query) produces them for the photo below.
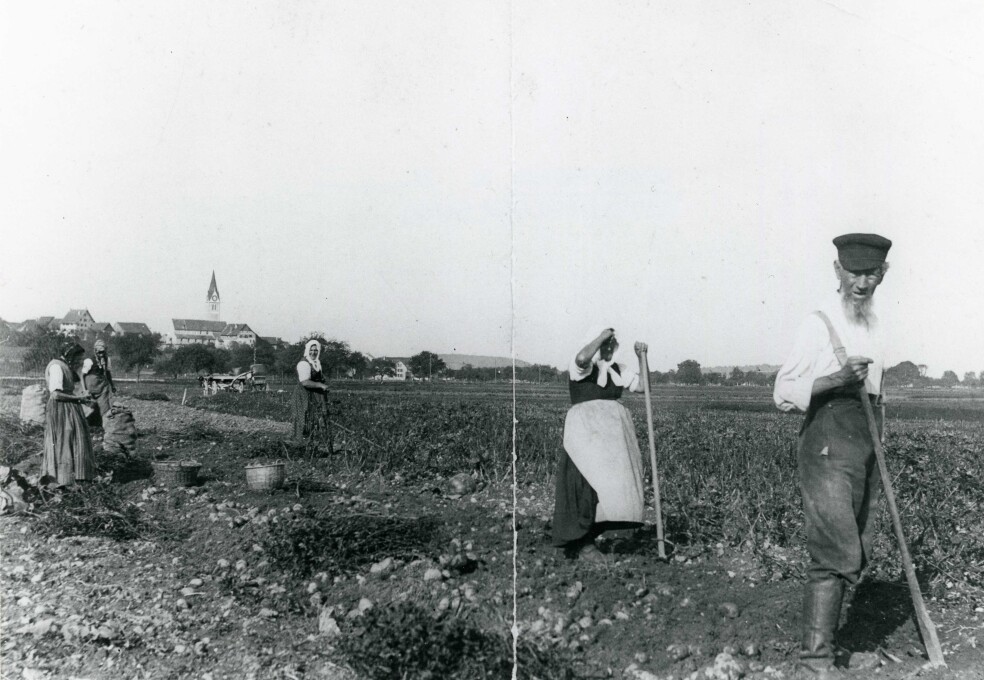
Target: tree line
<point x="136" y="353"/>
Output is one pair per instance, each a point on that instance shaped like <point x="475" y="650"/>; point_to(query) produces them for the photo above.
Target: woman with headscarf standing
<point x="310" y="395"/>
<point x="99" y="383"/>
<point x="599" y="483"/>
<point x="67" y="454"/>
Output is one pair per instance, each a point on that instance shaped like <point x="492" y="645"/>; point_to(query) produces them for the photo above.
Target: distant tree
<point x="970" y="378"/>
<point x="164" y="364"/>
<point x="264" y="353"/>
<point x="43" y="345"/>
<point x="240" y="356"/>
<point x="536" y="373"/>
<point x="334" y="357"/>
<point x="196" y="359"/>
<point x="688" y="372"/>
<point x="383" y="367"/>
<point x="759" y="378"/>
<point x="737" y="376"/>
<point x="136" y="351"/>
<point x="949" y="379"/>
<point x="286" y="358"/>
<point x="659" y="378"/>
<point x="426" y="364"/>
<point x="905" y="373"/>
<point x="357" y="363"/>
<point x="712" y="378"/>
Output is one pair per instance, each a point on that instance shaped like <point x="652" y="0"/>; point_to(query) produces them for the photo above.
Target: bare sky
<point x="449" y="176"/>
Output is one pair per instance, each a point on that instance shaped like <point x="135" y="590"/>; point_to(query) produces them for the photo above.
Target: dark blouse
<point x="588" y="390"/>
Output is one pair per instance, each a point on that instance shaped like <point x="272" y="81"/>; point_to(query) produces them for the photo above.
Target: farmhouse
<point x="235" y="333"/>
<point x="76" y="321"/>
<point x="130" y="328"/>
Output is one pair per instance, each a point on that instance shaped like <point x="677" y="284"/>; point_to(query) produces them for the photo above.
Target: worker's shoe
<point x="821" y="612"/>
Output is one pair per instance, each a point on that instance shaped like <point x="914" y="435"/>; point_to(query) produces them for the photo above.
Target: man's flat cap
<point x="858" y="252"/>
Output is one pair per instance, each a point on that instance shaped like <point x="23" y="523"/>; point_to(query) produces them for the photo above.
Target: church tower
<point x="212" y="300"/>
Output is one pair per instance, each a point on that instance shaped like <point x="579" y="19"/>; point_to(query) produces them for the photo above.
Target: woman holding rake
<point x="599" y="481"/>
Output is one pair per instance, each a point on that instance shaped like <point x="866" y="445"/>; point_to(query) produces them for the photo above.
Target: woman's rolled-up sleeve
<point x="794" y="381"/>
<point x="578" y="373"/>
<point x="303" y="371"/>
<point x="630" y="377"/>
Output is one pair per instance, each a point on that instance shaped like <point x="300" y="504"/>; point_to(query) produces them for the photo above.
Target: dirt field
<point x="369" y="563"/>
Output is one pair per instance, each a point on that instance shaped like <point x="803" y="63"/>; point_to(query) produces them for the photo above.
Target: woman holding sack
<point x="310" y="395"/>
<point x="67" y="454"/>
<point x="599" y="482"/>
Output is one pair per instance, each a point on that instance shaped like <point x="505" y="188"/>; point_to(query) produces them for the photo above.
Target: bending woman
<point x="310" y="395"/>
<point x="99" y="383"/>
<point x="67" y="454"/>
<point x="599" y="475"/>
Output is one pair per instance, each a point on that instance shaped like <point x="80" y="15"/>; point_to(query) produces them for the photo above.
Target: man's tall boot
<point x="821" y="612"/>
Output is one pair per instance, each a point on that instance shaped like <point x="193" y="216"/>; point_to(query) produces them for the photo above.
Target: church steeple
<point x="212" y="299"/>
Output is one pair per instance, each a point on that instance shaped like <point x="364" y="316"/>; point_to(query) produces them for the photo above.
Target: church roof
<point x="212" y="288"/>
<point x="190" y="325"/>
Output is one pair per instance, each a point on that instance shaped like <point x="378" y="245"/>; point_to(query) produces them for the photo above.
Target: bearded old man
<point x="837" y="349"/>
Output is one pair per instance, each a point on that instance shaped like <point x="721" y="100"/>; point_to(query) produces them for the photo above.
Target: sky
<point x="496" y="178"/>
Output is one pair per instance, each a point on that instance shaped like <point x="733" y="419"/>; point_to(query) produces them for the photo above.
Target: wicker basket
<point x="265" y="477"/>
<point x="176" y="472"/>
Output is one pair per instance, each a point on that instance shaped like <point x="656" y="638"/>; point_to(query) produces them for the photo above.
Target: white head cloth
<point x="605" y="367"/>
<point x="316" y="362"/>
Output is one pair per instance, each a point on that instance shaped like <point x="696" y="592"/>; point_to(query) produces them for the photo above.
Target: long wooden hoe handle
<point x="652" y="456"/>
<point x="926" y="627"/>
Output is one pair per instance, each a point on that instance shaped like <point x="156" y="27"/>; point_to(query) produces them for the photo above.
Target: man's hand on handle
<point x="853" y="372"/>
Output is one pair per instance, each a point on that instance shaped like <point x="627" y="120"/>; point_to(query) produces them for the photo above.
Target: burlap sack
<point x="120" y="432"/>
<point x="34" y="399"/>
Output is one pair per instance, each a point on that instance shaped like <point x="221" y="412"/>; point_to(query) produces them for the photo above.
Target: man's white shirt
<point x="813" y="356"/>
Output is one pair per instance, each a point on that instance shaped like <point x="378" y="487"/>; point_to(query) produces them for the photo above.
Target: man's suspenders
<point x="841" y="355"/>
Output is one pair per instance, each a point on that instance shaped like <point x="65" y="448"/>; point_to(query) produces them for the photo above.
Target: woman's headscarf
<point x="605" y="367"/>
<point x="316" y="362"/>
<point x="70" y="349"/>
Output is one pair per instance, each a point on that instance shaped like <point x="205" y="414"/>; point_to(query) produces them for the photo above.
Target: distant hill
<point x="726" y="370"/>
<point x="456" y="361"/>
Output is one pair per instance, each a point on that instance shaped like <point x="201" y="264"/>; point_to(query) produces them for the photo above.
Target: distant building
<point x="102" y="327"/>
<point x="211" y="331"/>
<point x="212" y="300"/>
<point x="197" y="331"/>
<point x="237" y="333"/>
<point x="401" y="371"/>
<point x="131" y="328"/>
<point x="76" y="321"/>
<point x="276" y="343"/>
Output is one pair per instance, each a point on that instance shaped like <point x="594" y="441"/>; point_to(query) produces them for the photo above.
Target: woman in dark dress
<point x="310" y="395"/>
<point x="67" y="456"/>
<point x="98" y="382"/>
<point x="599" y="482"/>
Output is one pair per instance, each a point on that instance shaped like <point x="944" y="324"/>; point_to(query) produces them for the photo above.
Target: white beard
<point x="858" y="313"/>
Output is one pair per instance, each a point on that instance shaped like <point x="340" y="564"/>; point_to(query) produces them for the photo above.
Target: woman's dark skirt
<point x="574" y="505"/>
<point x="308" y="410"/>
